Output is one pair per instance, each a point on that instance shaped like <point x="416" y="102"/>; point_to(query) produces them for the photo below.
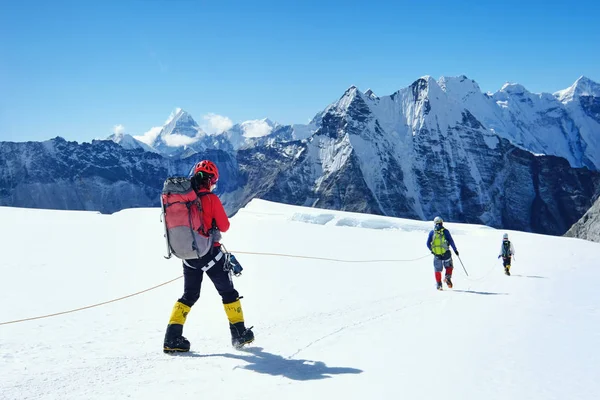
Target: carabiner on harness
<point x="231" y="265"/>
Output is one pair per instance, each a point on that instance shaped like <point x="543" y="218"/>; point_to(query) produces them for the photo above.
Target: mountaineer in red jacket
<point x="213" y="214"/>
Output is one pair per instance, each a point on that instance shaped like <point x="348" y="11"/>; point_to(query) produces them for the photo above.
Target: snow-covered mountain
<point x="588" y="227"/>
<point x="542" y="124"/>
<point x="583" y="87"/>
<point x="419" y="153"/>
<point x="180" y="130"/>
<point x="582" y="101"/>
<point x="130" y="143"/>
<point x="434" y="148"/>
<point x="564" y="124"/>
<point x="249" y="132"/>
<point x="181" y="135"/>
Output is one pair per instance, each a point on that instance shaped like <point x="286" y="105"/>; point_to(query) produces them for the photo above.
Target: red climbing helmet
<point x="209" y="169"/>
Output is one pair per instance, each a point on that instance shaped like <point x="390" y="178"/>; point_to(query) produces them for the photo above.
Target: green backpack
<point x="439" y="244"/>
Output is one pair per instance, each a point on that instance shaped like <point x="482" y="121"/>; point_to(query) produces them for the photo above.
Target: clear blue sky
<point x="78" y="68"/>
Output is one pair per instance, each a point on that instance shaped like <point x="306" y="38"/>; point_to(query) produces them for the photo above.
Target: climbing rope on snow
<point x="90" y="306"/>
<point x="481" y="277"/>
<point x="180" y="276"/>
<point x="325" y="258"/>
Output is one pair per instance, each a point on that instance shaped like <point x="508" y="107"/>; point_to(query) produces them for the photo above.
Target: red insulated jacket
<point x="212" y="210"/>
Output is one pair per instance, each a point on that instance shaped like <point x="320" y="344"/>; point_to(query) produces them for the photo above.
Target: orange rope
<point x="91" y="306"/>
<point x="326" y="259"/>
<point x="179" y="277"/>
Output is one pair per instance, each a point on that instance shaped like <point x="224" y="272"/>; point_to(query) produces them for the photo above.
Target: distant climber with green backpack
<point x="439" y="242"/>
<point x="507" y="250"/>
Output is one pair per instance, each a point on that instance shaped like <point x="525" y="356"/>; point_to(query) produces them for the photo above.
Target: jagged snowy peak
<point x="356" y="155"/>
<point x="444" y="100"/>
<point x="377" y="138"/>
<point x="467" y="94"/>
<point x="425" y="103"/>
<point x="513" y="88"/>
<point x="179" y="132"/>
<point x="129" y="142"/>
<point x="459" y="86"/>
<point x="180" y="122"/>
<point x="321" y="171"/>
<point x="582" y="87"/>
<point x="369" y="93"/>
<point x="245" y="133"/>
<point x="181" y="135"/>
<point x="257" y="127"/>
<point x="263" y="131"/>
<point x="346" y="100"/>
<point x="540" y="123"/>
<point x="282" y="134"/>
<point x="424" y="90"/>
<point x="519" y="92"/>
<point x="585" y="115"/>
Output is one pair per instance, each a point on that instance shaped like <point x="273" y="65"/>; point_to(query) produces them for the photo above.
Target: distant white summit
<point x="582" y="87"/>
<point x="182" y="135"/>
<point x="180" y="130"/>
<point x="180" y="122"/>
<point x="129" y="142"/>
<point x="513" y="88"/>
<point x="369" y="93"/>
<point x="459" y="86"/>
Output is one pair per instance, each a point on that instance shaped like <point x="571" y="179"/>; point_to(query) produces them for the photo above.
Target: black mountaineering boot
<point x="240" y="335"/>
<point x="174" y="340"/>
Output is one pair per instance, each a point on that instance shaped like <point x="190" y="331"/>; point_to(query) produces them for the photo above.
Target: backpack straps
<point x="198" y="202"/>
<point x="506" y="248"/>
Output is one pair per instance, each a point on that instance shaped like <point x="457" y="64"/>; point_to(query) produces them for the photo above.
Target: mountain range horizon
<point x="511" y="159"/>
<point x="582" y="80"/>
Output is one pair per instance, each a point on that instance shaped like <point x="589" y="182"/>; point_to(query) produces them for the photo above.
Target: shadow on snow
<point x="529" y="276"/>
<point x="272" y="364"/>
<point x="484" y="293"/>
